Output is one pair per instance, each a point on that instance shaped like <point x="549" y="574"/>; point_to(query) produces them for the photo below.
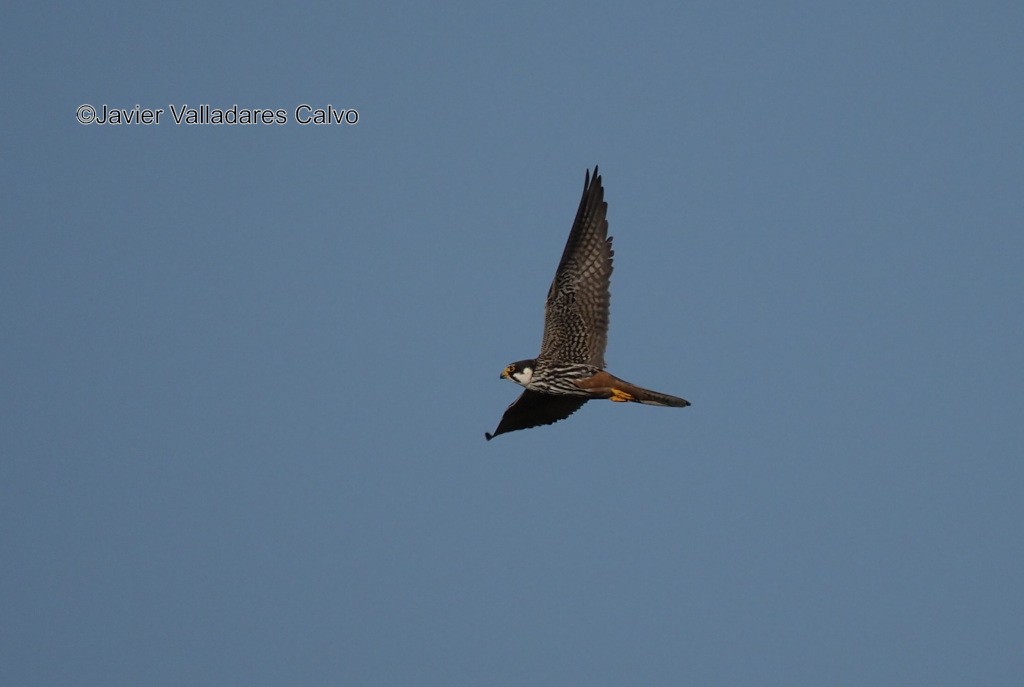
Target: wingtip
<point x="488" y="436"/>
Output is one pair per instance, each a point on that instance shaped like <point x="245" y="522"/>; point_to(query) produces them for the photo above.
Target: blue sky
<point x="247" y="370"/>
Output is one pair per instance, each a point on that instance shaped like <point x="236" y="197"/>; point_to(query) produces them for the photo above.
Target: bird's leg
<point x="620" y="396"/>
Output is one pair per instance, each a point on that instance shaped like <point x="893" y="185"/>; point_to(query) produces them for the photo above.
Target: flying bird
<point x="569" y="371"/>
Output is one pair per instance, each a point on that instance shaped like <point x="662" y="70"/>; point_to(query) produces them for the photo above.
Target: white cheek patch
<point x="524" y="376"/>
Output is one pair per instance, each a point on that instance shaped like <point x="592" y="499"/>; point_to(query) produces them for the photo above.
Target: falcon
<point x="569" y="371"/>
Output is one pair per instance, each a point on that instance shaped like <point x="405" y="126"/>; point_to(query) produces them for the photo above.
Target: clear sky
<point x="247" y="370"/>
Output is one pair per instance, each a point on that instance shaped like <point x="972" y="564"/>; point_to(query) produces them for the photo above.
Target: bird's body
<point x="570" y="368"/>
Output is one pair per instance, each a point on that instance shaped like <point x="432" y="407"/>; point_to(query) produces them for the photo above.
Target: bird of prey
<point x="569" y="371"/>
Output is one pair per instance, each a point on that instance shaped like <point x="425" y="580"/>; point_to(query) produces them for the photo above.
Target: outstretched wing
<point x="576" y="313"/>
<point x="534" y="408"/>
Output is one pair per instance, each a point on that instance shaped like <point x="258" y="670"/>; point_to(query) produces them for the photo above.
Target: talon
<point x="620" y="396"/>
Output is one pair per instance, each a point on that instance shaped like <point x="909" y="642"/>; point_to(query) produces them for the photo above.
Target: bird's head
<point x="520" y="372"/>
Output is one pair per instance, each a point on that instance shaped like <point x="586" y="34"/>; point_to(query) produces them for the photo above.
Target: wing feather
<point x="534" y="408"/>
<point x="576" y="311"/>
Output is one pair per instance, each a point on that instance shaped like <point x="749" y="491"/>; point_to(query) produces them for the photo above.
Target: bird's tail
<point x="624" y="391"/>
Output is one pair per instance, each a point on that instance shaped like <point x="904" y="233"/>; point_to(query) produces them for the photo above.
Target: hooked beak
<point x="503" y="375"/>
